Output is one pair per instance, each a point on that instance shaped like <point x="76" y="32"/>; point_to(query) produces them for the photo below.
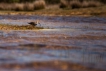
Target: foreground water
<point x="66" y="44"/>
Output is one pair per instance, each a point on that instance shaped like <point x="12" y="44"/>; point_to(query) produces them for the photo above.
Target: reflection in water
<point x="94" y="59"/>
<point x="79" y="55"/>
<point x="22" y="48"/>
<point x="74" y="40"/>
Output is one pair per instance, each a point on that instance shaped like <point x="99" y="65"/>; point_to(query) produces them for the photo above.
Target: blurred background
<point x="31" y="5"/>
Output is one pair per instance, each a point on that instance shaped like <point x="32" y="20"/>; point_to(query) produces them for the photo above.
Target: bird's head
<point x="37" y="21"/>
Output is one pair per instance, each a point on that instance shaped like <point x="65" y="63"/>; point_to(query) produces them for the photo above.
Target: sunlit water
<point x="80" y="40"/>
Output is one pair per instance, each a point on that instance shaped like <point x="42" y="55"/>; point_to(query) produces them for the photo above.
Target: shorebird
<point x="34" y="23"/>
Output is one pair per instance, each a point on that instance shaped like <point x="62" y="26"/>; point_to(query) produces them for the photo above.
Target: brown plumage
<point x="34" y="23"/>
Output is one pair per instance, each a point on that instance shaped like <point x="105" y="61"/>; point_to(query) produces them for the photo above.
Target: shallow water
<point x="73" y="40"/>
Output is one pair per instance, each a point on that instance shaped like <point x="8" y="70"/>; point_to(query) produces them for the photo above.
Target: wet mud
<point x="65" y="44"/>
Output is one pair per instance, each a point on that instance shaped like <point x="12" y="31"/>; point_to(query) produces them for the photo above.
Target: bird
<point x="34" y="23"/>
